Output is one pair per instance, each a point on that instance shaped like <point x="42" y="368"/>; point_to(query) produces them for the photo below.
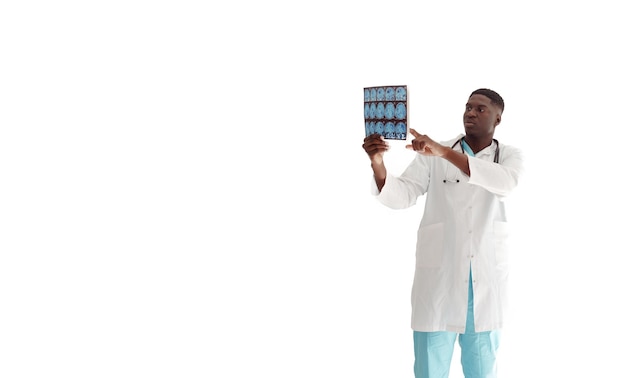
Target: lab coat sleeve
<point x="499" y="179"/>
<point x="400" y="192"/>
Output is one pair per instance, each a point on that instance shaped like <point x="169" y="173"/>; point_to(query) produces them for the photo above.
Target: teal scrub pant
<point x="433" y="350"/>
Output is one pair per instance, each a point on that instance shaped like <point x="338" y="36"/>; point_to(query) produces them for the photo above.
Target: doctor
<point x="460" y="282"/>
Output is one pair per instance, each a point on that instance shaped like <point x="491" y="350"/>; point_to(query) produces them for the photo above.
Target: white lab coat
<point x="463" y="225"/>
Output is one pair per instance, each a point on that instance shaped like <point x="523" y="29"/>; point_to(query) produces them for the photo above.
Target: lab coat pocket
<point x="500" y="241"/>
<point x="430" y="245"/>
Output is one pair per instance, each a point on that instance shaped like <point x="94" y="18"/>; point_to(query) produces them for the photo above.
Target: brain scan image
<point x="389" y="110"/>
<point x="385" y="111"/>
<point x="369" y="128"/>
<point x="401" y="93"/>
<point x="380" y="110"/>
<point x="401" y="130"/>
<point x="390" y="130"/>
<point x="379" y="128"/>
<point x="401" y="111"/>
<point x="380" y="94"/>
<point x="390" y="94"/>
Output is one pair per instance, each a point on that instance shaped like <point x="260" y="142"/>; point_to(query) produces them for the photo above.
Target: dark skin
<point x="480" y="119"/>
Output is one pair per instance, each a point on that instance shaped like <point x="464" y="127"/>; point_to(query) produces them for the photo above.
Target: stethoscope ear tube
<point x="496" y="159"/>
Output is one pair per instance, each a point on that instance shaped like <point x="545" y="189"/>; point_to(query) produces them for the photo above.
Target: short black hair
<point x="495" y="98"/>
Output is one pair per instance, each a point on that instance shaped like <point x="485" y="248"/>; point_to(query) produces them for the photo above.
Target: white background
<point x="183" y="191"/>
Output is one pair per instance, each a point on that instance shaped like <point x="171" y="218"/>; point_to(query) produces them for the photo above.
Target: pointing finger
<point x="415" y="133"/>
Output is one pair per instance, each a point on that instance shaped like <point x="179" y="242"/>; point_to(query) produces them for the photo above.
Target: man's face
<point x="481" y="116"/>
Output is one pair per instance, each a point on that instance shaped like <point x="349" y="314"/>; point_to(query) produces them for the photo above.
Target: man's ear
<point x="498" y="118"/>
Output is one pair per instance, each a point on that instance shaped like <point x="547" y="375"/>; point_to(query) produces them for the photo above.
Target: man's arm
<point x="499" y="179"/>
<point x="380" y="175"/>
<point x="426" y="146"/>
<point x="457" y="158"/>
<point x="375" y="146"/>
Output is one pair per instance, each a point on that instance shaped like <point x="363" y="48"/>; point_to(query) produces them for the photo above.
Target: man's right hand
<point x="375" y="146"/>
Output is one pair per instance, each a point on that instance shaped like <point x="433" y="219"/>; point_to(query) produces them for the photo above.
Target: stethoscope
<point x="496" y="159"/>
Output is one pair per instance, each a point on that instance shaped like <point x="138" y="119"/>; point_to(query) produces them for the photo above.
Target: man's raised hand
<point x="424" y="145"/>
<point x="375" y="146"/>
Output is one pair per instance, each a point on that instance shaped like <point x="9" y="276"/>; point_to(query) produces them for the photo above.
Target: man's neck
<point x="478" y="144"/>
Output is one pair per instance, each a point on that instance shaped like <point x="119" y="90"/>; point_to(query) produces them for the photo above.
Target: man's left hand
<point x="424" y="145"/>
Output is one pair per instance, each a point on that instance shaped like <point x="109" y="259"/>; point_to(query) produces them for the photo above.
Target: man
<point x="459" y="287"/>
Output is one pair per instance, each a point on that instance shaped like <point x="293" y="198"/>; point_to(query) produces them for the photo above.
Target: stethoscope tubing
<point x="496" y="159"/>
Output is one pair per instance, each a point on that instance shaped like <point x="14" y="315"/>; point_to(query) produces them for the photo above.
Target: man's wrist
<point x="447" y="152"/>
